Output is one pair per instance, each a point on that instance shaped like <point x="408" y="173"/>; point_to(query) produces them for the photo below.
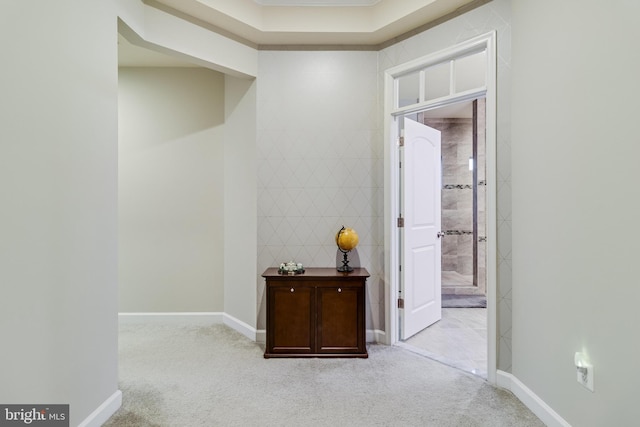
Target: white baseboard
<point x="376" y="336"/>
<point x="240" y="326"/>
<point x="104" y="411"/>
<point x="261" y="336"/>
<point x="530" y="400"/>
<point x="503" y="379"/>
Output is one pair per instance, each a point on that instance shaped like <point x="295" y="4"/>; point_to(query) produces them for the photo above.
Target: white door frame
<point x="391" y="196"/>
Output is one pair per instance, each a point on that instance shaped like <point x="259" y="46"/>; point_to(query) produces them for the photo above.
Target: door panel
<point x="292" y="325"/>
<point x="338" y="319"/>
<point x="421" y="247"/>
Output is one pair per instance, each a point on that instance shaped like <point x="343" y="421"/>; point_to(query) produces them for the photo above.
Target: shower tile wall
<point x="482" y="198"/>
<point x="457" y="205"/>
<point x="457" y="196"/>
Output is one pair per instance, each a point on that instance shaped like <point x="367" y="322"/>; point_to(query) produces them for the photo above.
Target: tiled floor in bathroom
<point x="459" y="340"/>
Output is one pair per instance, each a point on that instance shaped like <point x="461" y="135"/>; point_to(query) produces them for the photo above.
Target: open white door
<point x="420" y="248"/>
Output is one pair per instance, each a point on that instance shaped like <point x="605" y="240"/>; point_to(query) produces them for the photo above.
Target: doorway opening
<point x="459" y="339"/>
<point x="468" y="73"/>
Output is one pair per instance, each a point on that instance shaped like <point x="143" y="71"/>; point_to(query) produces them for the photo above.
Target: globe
<point x="347" y="239"/>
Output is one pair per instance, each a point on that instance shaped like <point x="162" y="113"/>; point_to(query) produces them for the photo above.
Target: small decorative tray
<point x="291" y="268"/>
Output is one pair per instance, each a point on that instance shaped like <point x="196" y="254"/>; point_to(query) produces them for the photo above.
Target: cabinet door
<point x="340" y="319"/>
<point x="291" y="323"/>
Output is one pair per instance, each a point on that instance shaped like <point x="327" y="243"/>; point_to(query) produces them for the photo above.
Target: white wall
<point x="153" y="28"/>
<point x="575" y="206"/>
<point x="496" y="15"/>
<point x="58" y="184"/>
<point x="171" y="190"/>
<point x="320" y="164"/>
<point x="240" y="203"/>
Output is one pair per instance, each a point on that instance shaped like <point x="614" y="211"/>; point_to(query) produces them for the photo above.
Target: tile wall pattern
<point x="493" y="16"/>
<point x="457" y="193"/>
<point x="457" y="199"/>
<point x="321" y="161"/>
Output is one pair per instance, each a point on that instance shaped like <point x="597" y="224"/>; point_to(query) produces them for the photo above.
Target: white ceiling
<point x="273" y="24"/>
<point x="314" y="22"/>
<point x="276" y="23"/>
<point x="316" y="2"/>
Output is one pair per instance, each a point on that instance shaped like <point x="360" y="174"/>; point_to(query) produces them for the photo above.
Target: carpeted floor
<point x="464" y="301"/>
<point x="210" y="375"/>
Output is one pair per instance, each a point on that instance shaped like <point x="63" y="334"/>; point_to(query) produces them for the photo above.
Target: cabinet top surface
<point x="317" y="273"/>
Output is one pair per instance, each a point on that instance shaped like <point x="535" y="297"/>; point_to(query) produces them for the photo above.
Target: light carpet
<point x="210" y="375"/>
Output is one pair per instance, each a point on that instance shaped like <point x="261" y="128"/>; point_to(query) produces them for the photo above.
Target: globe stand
<point x="344" y="268"/>
<point x="351" y="241"/>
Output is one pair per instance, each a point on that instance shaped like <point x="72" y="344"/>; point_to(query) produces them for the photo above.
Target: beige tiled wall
<point x="457" y="202"/>
<point x="457" y="193"/>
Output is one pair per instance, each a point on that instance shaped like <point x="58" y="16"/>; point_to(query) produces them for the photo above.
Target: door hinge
<point x="400" y="302"/>
<point x="400" y="222"/>
<point x="401" y="141"/>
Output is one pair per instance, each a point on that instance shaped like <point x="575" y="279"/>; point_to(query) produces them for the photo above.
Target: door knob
<point x="441" y="234"/>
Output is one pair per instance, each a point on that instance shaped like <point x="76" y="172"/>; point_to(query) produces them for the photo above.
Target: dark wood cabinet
<point x="319" y="313"/>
